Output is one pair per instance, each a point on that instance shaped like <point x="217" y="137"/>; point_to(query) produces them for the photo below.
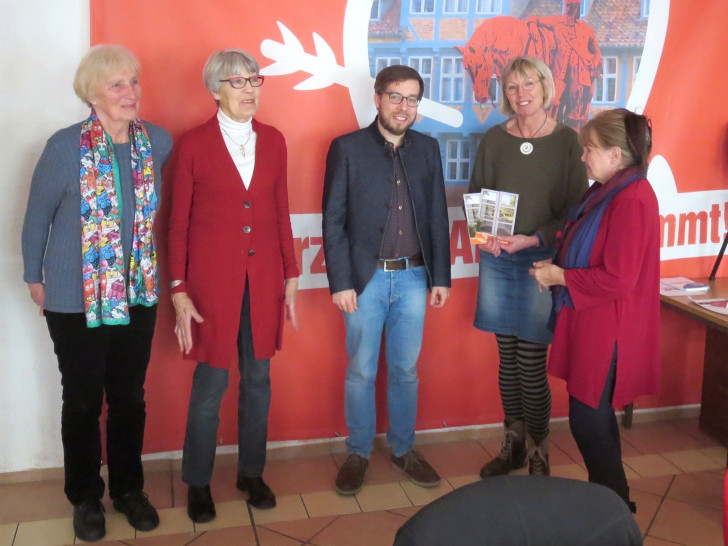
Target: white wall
<point x="41" y="42"/>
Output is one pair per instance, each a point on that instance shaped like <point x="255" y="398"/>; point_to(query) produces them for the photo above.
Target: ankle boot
<point x="513" y="451"/>
<point x="538" y="457"/>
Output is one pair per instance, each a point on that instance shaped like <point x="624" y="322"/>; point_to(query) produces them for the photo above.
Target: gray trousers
<point x="203" y="417"/>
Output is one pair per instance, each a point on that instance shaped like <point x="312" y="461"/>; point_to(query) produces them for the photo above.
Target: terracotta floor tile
<point x="692" y="460"/>
<point x="177" y="539"/>
<point x="229" y="514"/>
<point x="492" y="447"/>
<point x="701" y="488"/>
<point x="652" y="541"/>
<point x="171" y="521"/>
<point x="424" y="495"/>
<point x="648" y="466"/>
<point x="718" y="454"/>
<point x="329" y="503"/>
<point x="303" y="529"/>
<point x="459" y="481"/>
<point x="288" y="508"/>
<point x="271" y="538"/>
<point x="659" y="437"/>
<point x="628" y="450"/>
<point x="118" y="528"/>
<point x="158" y="485"/>
<point x="33" y="501"/>
<point x="364" y="529"/>
<point x="7" y="533"/>
<point x="691" y="426"/>
<point x="385" y="496"/>
<point x="566" y="443"/>
<point x="222" y="485"/>
<point x="629" y="473"/>
<point x="234" y="536"/>
<point x="407" y="512"/>
<point x="657" y="485"/>
<point x="686" y="523"/>
<point x="51" y="532"/>
<point x="455" y="458"/>
<point x="647" y="506"/>
<point x="301" y="475"/>
<point x="573" y="471"/>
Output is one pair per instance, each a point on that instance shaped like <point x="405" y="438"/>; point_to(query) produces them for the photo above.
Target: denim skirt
<point x="509" y="302"/>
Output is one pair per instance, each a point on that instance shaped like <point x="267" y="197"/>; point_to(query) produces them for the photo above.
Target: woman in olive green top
<point x="538" y="158"/>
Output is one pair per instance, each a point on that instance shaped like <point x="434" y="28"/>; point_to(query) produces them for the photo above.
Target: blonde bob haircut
<point x="225" y="63"/>
<point x="520" y="65"/>
<point x="98" y="64"/>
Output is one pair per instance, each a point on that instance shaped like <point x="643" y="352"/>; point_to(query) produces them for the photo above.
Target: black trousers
<point x="110" y="360"/>
<point x="597" y="435"/>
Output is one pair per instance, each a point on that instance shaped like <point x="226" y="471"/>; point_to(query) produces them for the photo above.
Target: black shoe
<point x="200" y="506"/>
<point x="89" y="523"/>
<point x="138" y="510"/>
<point x="259" y="494"/>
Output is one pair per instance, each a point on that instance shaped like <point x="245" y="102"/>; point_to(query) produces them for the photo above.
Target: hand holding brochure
<point x="490" y="213"/>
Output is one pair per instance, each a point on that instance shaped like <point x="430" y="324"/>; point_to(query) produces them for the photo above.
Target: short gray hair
<point x="100" y="62"/>
<point x="225" y="63"/>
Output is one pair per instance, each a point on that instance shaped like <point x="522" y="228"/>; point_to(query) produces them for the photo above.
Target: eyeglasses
<point x="240" y="83"/>
<point x="396" y="98"/>
<point x="512" y="88"/>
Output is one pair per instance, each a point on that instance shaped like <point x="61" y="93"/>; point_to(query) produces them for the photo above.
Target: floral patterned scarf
<point x="107" y="295"/>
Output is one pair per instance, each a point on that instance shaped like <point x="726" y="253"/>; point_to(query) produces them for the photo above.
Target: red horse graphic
<point x="567" y="45"/>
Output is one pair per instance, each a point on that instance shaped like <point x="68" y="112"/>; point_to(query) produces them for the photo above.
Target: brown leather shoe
<point x="351" y="475"/>
<point x="416" y="468"/>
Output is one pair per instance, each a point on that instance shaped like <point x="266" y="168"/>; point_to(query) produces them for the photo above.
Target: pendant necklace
<point x="241" y="146"/>
<point x="527" y="147"/>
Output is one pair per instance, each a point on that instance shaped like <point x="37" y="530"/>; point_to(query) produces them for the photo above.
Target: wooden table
<point x="714" y="402"/>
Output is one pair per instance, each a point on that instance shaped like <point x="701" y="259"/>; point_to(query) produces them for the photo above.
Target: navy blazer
<point x="357" y="189"/>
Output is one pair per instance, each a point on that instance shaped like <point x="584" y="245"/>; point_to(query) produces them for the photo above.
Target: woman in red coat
<point x="232" y="260"/>
<point x="607" y="299"/>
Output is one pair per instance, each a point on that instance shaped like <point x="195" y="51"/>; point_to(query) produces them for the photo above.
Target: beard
<point x="396" y="130"/>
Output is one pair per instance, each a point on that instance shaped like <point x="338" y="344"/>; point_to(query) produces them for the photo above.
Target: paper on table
<point x="717" y="305"/>
<point x="681" y="286"/>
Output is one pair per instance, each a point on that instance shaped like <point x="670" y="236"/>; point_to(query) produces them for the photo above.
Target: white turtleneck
<point x="236" y="133"/>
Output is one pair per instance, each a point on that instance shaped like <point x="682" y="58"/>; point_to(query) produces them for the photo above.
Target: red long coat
<point x="616" y="299"/>
<point x="219" y="232"/>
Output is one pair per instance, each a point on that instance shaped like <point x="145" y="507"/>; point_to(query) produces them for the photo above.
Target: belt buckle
<point x="397" y="261"/>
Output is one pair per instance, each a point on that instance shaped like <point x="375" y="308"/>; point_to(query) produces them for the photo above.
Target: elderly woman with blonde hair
<point x="234" y="273"/>
<point x="92" y="270"/>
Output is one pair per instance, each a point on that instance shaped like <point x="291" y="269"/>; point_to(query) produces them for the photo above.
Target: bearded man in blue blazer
<point x="386" y="242"/>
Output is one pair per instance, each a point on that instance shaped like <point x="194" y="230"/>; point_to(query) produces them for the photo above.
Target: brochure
<point x="490" y="213"/>
<point x="717" y="305"/>
<point x="681" y="286"/>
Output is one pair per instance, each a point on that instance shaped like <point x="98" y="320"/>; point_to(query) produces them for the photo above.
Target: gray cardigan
<point x="51" y="237"/>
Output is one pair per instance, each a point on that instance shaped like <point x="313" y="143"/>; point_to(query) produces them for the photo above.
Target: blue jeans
<point x="393" y="301"/>
<point x="203" y="417"/>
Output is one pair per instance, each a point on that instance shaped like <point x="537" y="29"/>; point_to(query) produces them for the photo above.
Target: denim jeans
<point x="393" y="301"/>
<point x="106" y="361"/>
<point x="203" y="417"/>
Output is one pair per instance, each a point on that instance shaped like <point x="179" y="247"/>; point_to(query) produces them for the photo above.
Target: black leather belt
<point x="400" y="264"/>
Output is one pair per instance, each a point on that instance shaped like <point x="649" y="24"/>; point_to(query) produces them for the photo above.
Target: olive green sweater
<point x="548" y="180"/>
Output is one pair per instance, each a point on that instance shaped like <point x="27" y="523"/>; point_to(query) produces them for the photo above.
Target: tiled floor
<point x="675" y="474"/>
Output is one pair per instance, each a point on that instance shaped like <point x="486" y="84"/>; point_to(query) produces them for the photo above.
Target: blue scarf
<point x="578" y="251"/>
